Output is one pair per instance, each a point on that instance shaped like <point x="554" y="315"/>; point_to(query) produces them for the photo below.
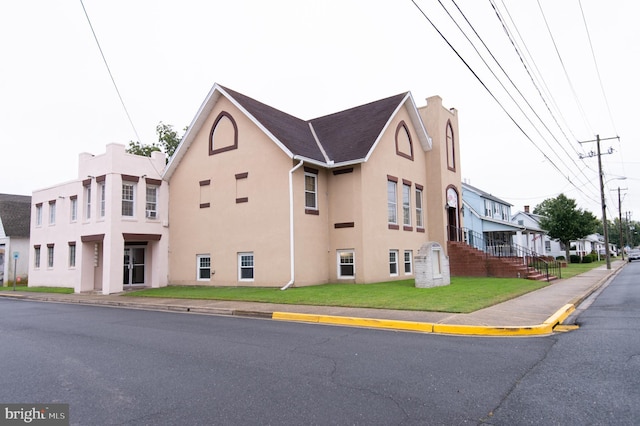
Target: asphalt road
<point x="130" y="367"/>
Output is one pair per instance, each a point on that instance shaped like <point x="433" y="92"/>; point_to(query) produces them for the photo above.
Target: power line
<point x="109" y="71"/>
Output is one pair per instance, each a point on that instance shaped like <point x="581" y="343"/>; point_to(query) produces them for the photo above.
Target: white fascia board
<point x="471" y="209"/>
<point x="320" y="147"/>
<point x="423" y="137"/>
<point x="257" y="123"/>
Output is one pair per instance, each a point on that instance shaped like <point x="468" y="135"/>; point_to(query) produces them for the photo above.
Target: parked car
<point x="634" y="254"/>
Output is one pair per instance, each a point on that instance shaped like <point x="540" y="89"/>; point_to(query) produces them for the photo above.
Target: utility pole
<point x="602" y="201"/>
<point x="620" y="223"/>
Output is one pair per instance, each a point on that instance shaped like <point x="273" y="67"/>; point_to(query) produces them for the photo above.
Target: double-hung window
<point x="406" y="204"/>
<point x="204" y="267"/>
<point x="72" y="254"/>
<point x="419" y="213"/>
<point x="151" y="209"/>
<point x="52" y="212"/>
<point x="392" y="203"/>
<point x="49" y="255"/>
<point x="408" y="262"/>
<point x="103" y="199"/>
<point x="36" y="256"/>
<point x="393" y="263"/>
<point x="128" y="192"/>
<point x="346" y="264"/>
<point x="245" y="266"/>
<point x="39" y="214"/>
<point x="87" y="201"/>
<point x="74" y="208"/>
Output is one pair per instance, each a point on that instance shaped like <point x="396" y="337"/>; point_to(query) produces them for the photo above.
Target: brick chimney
<point x="526" y="209"/>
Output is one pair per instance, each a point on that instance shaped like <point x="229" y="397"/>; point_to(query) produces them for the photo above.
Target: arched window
<point x="451" y="150"/>
<point x="224" y="134"/>
<point x="404" y="145"/>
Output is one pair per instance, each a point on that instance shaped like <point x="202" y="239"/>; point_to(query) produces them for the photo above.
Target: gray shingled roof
<point x="345" y="136"/>
<point x="15" y="213"/>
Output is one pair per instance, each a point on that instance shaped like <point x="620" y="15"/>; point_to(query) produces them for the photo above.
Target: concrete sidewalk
<point x="534" y="313"/>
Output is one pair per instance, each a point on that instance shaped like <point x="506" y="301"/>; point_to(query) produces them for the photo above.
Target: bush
<point x="574" y="258"/>
<point x="560" y="258"/>
<point x="587" y="258"/>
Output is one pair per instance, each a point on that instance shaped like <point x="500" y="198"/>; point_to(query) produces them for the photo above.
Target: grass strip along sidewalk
<point x="464" y="295"/>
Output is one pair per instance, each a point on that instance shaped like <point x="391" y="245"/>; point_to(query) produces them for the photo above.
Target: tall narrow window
<point x="127" y="198"/>
<point x="451" y="151"/>
<point x="52" y="212"/>
<point x="49" y="255"/>
<point x="204" y="267"/>
<point x="38" y="214"/>
<point x="73" y="208"/>
<point x="406" y="204"/>
<point x="393" y="263"/>
<point x="72" y="254"/>
<point x="419" y="212"/>
<point x="245" y="266"/>
<point x="487" y="208"/>
<point x="310" y="191"/>
<point x="151" y="207"/>
<point x="346" y="264"/>
<point x="103" y="199"/>
<point x="392" y="203"/>
<point x="408" y="262"/>
<point x="87" y="201"/>
<point x="36" y="256"/>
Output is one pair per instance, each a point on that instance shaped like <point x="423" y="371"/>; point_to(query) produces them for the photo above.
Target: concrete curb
<point x="424" y="327"/>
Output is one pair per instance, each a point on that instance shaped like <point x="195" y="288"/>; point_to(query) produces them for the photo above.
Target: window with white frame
<point x="245" y="266"/>
<point x="128" y="192"/>
<point x="393" y="263"/>
<point x="49" y="255"/>
<point x="72" y="254"/>
<point x="346" y="264"/>
<point x="103" y="199"/>
<point x="39" y="214"/>
<point x="406" y="204"/>
<point x="408" y="262"/>
<point x="392" y="203"/>
<point x="151" y="208"/>
<point x="488" y="208"/>
<point x="310" y="191"/>
<point x="87" y="202"/>
<point x="203" y="265"/>
<point x="52" y="212"/>
<point x="73" y="207"/>
<point x="506" y="213"/>
<point x="419" y="213"/>
<point x="36" y="257"/>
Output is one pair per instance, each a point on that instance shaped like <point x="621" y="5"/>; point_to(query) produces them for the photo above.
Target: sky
<point x="530" y="80"/>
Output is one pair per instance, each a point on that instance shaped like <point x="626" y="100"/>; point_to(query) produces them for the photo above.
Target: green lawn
<point x="465" y="294"/>
<point x="64" y="290"/>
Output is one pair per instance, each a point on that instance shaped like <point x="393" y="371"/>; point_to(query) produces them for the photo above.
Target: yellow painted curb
<point x="468" y="330"/>
<point x="423" y="327"/>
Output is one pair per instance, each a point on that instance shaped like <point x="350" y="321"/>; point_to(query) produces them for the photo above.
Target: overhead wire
<point x="509" y="115"/>
<point x="104" y="59"/>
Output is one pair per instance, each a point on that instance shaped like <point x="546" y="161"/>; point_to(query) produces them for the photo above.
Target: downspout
<point x="291" y="234"/>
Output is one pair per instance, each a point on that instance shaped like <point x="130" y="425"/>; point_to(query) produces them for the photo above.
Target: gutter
<point x="291" y="229"/>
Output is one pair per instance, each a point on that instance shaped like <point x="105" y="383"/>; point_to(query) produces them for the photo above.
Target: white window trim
<point x="133" y="199"/>
<point x="198" y="267"/>
<point x="253" y="266"/>
<point x="404" y="262"/>
<point x="87" y="202"/>
<point x="393" y="203"/>
<point x="52" y="213"/>
<point x="39" y="215"/>
<point x="393" y="252"/>
<point x="151" y="214"/>
<point x="315" y="191"/>
<point x="353" y="255"/>
<point x="419" y="210"/>
<point x="73" y="207"/>
<point x="406" y="205"/>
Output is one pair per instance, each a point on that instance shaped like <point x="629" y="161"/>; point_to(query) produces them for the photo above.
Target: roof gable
<point x="15" y="214"/>
<point x="347" y="136"/>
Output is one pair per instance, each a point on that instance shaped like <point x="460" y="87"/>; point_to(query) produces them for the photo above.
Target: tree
<point x="564" y="221"/>
<point x="168" y="141"/>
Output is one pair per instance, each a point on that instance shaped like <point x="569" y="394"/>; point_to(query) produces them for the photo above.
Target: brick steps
<point x="466" y="261"/>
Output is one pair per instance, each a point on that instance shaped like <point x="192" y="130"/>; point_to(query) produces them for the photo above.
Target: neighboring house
<point x="590" y="243"/>
<point x="487" y="221"/>
<point x="105" y="231"/>
<point x="15" y="213"/>
<point x="534" y="237"/>
<point x="260" y="197"/>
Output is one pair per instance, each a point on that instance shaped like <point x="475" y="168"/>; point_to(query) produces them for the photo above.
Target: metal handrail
<point x="528" y="257"/>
